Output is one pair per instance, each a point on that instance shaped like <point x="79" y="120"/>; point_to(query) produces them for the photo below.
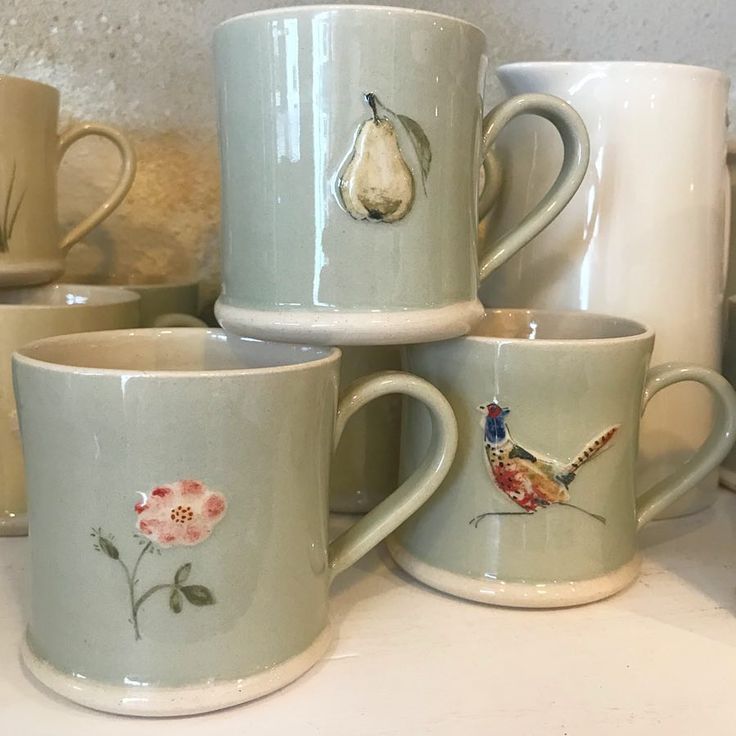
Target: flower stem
<point x="145" y="597"/>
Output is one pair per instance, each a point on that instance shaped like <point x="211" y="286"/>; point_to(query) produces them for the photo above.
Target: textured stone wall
<point x="145" y="65"/>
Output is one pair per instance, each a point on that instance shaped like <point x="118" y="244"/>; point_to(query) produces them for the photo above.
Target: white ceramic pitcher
<point x="644" y="235"/>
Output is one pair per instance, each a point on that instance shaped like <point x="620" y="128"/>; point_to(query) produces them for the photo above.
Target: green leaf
<point x="175" y="601"/>
<point x="108" y="548"/>
<point x="183" y="573"/>
<point x="421" y="145"/>
<point x="198" y="595"/>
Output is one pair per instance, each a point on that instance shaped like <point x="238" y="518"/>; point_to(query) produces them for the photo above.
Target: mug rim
<point x="116" y="295"/>
<point x="305" y="9"/>
<point x="13" y="79"/>
<point x="615" y="64"/>
<point x="644" y="332"/>
<point x="132" y="285"/>
<point x="332" y="354"/>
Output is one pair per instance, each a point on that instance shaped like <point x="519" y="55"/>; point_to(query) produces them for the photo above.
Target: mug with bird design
<point x="540" y="508"/>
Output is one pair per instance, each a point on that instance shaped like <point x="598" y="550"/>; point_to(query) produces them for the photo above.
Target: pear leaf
<point x="419" y="140"/>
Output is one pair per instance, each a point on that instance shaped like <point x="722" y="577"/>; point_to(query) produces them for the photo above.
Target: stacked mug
<point x="199" y="489"/>
<point x="32" y="254"/>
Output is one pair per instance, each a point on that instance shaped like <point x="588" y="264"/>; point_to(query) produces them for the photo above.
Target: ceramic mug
<point x="213" y="452"/>
<point x="168" y="304"/>
<point x="31" y="251"/>
<point x="727" y="472"/>
<point x="350" y="180"/>
<point x="30" y="314"/>
<point x="365" y="469"/>
<point x="540" y="509"/>
<point x="641" y="210"/>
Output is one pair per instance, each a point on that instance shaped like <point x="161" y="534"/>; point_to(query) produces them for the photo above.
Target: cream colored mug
<point x="31" y="248"/>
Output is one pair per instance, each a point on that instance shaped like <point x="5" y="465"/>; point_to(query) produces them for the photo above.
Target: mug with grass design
<point x="31" y="248"/>
<point x="178" y="486"/>
<point x="540" y="506"/>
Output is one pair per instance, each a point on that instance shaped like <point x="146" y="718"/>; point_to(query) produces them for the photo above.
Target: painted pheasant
<point x="530" y="480"/>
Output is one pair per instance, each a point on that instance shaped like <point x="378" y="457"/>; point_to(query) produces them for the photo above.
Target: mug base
<point x="186" y="700"/>
<point x="727" y="478"/>
<point x="13" y="525"/>
<point x="515" y="594"/>
<point x="351" y="327"/>
<point x="30" y="274"/>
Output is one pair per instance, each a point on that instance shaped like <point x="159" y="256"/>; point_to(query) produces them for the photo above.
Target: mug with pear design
<point x="540" y="508"/>
<point x="350" y="180"/>
<point x="31" y="250"/>
<point x="178" y="505"/>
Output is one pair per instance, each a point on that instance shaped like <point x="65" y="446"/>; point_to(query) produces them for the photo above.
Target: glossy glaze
<point x="30" y="314"/>
<point x="728" y="469"/>
<point x="644" y="235"/>
<point x="254" y="423"/>
<point x="366" y="464"/>
<point x="570" y="381"/>
<point x="168" y="304"/>
<point x="31" y="250"/>
<point x="297" y="265"/>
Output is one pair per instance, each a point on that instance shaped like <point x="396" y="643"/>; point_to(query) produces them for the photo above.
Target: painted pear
<point x="377" y="185"/>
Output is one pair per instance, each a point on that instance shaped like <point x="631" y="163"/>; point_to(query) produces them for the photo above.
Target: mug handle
<point x="125" y="179"/>
<point x="576" y="146"/>
<point x="178" y="319"/>
<point x="378" y="523"/>
<point x="493" y="171"/>
<point x="711" y="452"/>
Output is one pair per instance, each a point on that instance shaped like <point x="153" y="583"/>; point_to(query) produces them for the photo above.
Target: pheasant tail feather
<point x="593" y="448"/>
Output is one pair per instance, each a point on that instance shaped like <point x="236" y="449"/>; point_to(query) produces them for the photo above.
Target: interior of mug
<point x="532" y="324"/>
<point x="181" y="349"/>
<point x="64" y="295"/>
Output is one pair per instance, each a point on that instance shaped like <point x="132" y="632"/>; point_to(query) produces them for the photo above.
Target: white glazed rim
<point x="395" y="9"/>
<point x="645" y="332"/>
<point x="19" y="356"/>
<point x="664" y="65"/>
<point x="115" y="295"/>
<point x="513" y="594"/>
<point x="187" y="700"/>
<point x="142" y="286"/>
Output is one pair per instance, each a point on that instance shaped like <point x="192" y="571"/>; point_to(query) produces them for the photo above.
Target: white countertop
<point x="659" y="658"/>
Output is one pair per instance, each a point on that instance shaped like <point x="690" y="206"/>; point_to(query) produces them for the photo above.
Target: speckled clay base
<point x="517" y="595"/>
<point x="30" y="274"/>
<point x="14" y="526"/>
<point x="352" y="328"/>
<point x="727" y="478"/>
<point x="174" y="701"/>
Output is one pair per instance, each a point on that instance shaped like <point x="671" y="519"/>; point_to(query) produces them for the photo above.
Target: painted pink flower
<point x="180" y="513"/>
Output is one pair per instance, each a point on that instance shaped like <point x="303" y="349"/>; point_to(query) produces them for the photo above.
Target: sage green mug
<point x="351" y="152"/>
<point x="540" y="507"/>
<point x="178" y="506"/>
<point x="31" y="314"/>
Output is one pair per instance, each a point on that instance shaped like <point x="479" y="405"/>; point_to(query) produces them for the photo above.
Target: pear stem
<point x="370" y="98"/>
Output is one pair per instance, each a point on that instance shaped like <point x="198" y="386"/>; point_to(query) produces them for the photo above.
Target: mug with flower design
<point x="180" y="563"/>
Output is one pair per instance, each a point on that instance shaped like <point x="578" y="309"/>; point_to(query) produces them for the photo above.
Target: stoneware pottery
<point x="30" y="314"/>
<point x="178" y="502"/>
<point x="644" y="236"/>
<point x="168" y="304"/>
<point x="350" y="180"/>
<point x="366" y="465"/>
<point x="31" y="248"/>
<point x="539" y="509"/>
<point x="728" y="468"/>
